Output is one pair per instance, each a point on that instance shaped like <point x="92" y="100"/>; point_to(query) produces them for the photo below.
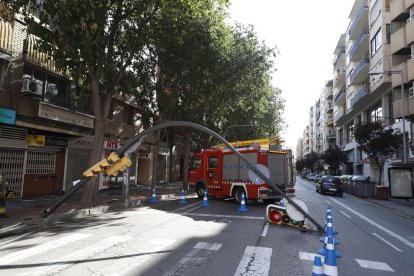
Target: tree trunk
<point x="186" y="158"/>
<point x="156" y="151"/>
<point x="381" y="166"/>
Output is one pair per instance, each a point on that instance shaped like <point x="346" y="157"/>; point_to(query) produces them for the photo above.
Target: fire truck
<point x="220" y="172"/>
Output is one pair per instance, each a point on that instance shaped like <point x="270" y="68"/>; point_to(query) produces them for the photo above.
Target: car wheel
<point x="200" y="188"/>
<point x="237" y="194"/>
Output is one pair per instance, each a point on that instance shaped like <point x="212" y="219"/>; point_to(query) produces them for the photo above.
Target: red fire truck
<point x="223" y="175"/>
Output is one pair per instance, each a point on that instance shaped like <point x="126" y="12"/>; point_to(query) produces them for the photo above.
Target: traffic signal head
<point x="118" y="166"/>
<point x="97" y="168"/>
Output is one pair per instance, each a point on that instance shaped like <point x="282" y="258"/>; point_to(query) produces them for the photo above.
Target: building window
<point x="375" y="12"/>
<point x="350" y="132"/>
<point x="376" y="42"/>
<point x="375" y="114"/>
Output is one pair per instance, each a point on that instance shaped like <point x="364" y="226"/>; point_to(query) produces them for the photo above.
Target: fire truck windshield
<point x="195" y="163"/>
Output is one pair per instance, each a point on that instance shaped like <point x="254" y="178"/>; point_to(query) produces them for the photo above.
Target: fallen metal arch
<point x="134" y="140"/>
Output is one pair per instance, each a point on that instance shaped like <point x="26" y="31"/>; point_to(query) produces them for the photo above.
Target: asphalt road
<point x="167" y="238"/>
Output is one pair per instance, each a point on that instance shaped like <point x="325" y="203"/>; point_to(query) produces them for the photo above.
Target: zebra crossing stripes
<point x="255" y="261"/>
<point x="23" y="254"/>
<point x="77" y="256"/>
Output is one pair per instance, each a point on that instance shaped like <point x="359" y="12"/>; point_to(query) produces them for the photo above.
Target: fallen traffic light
<point x="118" y="166"/>
<point x="97" y="168"/>
<point x="277" y="214"/>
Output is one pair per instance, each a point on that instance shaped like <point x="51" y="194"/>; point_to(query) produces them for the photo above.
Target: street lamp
<point x="402" y="106"/>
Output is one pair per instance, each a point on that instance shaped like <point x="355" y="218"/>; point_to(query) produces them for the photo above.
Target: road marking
<point x="222" y="216"/>
<point x="330" y="203"/>
<point x="80" y="255"/>
<point x="185" y="207"/>
<point x="210" y="247"/>
<point x="255" y="261"/>
<point x="374" y="265"/>
<point x="309" y="256"/>
<point x="389" y="232"/>
<point x="266" y="227"/>
<point x="345" y="214"/>
<point x="387" y="242"/>
<point x="23" y="254"/>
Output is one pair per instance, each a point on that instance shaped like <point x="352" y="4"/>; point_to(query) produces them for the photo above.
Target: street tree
<point x="378" y="142"/>
<point x="312" y="161"/>
<point x="299" y="164"/>
<point x="103" y="43"/>
<point x="333" y="157"/>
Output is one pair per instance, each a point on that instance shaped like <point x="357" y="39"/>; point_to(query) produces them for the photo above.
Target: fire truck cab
<point x="223" y="175"/>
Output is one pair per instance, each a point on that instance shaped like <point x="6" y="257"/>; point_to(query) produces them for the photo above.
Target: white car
<point x="311" y="176"/>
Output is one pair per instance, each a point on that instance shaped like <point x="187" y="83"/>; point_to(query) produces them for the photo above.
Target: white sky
<point x="306" y="34"/>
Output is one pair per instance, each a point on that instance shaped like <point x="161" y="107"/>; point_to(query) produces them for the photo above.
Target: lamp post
<point x="402" y="106"/>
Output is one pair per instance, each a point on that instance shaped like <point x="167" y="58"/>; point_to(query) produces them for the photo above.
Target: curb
<point x="395" y="211"/>
<point x="30" y="225"/>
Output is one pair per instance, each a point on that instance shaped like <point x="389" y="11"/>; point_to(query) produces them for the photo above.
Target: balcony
<point x="339" y="96"/>
<point x="409" y="30"/>
<point x="330" y="137"/>
<point x="6" y="36"/>
<point x="338" y="115"/>
<point x="399" y="42"/>
<point x="410" y="69"/>
<point x="339" y="77"/>
<point x="329" y="121"/>
<point x="42" y="59"/>
<point x="360" y="47"/>
<point x="359" y="95"/>
<point x="360" y="73"/>
<point x="359" y="22"/>
<point x="398" y="11"/>
<point x="396" y="78"/>
<point x="338" y="57"/>
<point x="408" y="4"/>
<point x="408" y="107"/>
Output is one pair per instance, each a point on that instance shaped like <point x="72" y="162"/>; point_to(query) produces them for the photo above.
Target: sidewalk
<point x="401" y="207"/>
<point x="26" y="213"/>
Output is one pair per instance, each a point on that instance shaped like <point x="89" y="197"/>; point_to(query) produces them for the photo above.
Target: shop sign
<point x="56" y="142"/>
<point x="65" y="116"/>
<point x="111" y="144"/>
<point x="7" y="116"/>
<point x="36" y="140"/>
<point x="164" y="151"/>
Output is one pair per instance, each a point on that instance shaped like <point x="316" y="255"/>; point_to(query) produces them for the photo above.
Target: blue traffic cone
<point x="281" y="202"/>
<point x="329" y="232"/>
<point x="317" y="266"/>
<point x="182" y="198"/>
<point x="205" y="200"/>
<point x="243" y="204"/>
<point x="154" y="198"/>
<point x="329" y="267"/>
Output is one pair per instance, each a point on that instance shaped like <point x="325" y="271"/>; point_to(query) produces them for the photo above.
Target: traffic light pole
<point x="135" y="140"/>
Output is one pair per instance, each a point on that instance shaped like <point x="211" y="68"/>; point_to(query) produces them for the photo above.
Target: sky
<point x="305" y="34"/>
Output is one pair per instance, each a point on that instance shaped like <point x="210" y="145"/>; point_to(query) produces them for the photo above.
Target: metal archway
<point x="134" y="140"/>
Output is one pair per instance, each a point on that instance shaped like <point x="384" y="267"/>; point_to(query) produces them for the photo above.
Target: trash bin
<point x="350" y="184"/>
<point x="363" y="187"/>
<point x="344" y="183"/>
<point x="382" y="192"/>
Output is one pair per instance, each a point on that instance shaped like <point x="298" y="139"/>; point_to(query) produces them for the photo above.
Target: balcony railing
<point x="35" y="56"/>
<point x="338" y="95"/>
<point x="360" y="93"/>
<point x="338" y="115"/>
<point x="356" y="20"/>
<point x="362" y="62"/>
<point x="358" y="41"/>
<point x="6" y="36"/>
<point x="338" y="56"/>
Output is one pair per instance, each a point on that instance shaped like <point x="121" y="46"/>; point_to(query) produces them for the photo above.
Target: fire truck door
<point x="213" y="172"/>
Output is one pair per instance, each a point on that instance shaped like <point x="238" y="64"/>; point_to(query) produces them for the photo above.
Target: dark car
<point x="330" y="184"/>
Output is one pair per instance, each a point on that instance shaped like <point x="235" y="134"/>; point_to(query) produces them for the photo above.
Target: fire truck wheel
<point x="237" y="194"/>
<point x="200" y="188"/>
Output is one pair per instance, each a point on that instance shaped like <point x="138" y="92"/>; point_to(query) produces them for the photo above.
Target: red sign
<point x="111" y="144"/>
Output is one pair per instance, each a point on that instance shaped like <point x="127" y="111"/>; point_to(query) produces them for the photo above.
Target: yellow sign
<point x="36" y="140"/>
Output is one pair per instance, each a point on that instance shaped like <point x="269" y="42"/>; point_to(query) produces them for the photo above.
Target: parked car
<point x="330" y="184"/>
<point x="317" y="177"/>
<point x="311" y="176"/>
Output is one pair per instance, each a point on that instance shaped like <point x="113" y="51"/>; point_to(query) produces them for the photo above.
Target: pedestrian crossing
<point x="94" y="256"/>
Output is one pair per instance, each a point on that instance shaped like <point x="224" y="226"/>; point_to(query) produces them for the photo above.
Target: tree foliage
<point x="378" y="142"/>
<point x="333" y="157"/>
<point x="312" y="161"/>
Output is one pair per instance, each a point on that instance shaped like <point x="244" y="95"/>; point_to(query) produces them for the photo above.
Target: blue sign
<point x="7" y="116"/>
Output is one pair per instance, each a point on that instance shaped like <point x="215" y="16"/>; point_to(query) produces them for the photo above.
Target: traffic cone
<point x="317" y="266"/>
<point x="243" y="204"/>
<point x="182" y="198"/>
<point x="329" y="232"/>
<point x="281" y="202"/>
<point x="154" y="198"/>
<point x="329" y="267"/>
<point x="205" y="200"/>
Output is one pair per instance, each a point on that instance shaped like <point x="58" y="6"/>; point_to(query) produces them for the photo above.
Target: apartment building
<point x="376" y="47"/>
<point x="47" y="125"/>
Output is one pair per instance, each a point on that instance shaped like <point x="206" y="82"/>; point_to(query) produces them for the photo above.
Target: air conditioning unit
<point x="32" y="86"/>
<point x="411" y="91"/>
